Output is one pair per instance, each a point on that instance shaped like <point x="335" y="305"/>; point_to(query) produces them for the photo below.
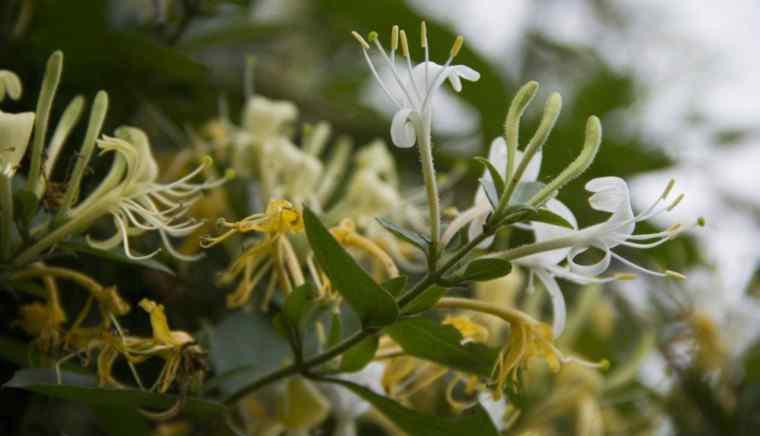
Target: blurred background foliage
<point x="168" y="63"/>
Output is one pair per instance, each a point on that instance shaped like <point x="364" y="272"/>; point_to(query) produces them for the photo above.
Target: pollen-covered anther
<point x="423" y="35"/>
<point x="668" y="188"/>
<point x="622" y="277"/>
<point x="404" y="44"/>
<point x="675" y="275"/>
<point x="675" y="202"/>
<point x="457" y="46"/>
<point x="360" y="40"/>
<point x="394" y="38"/>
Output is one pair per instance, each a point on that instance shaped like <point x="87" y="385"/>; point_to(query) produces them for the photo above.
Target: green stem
<point x="6" y="217"/>
<point x="77" y="223"/>
<point x="305" y="366"/>
<point x="431" y="188"/>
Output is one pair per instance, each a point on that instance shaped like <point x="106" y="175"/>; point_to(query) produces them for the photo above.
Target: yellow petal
<point x="158" y="322"/>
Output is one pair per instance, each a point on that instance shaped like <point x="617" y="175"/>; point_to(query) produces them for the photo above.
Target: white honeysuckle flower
<point x="476" y="215"/>
<point x="296" y="173"/>
<point x="137" y="202"/>
<point x="15" y="132"/>
<point x="611" y="194"/>
<point x="265" y="119"/>
<point x="346" y="406"/>
<point x="413" y="94"/>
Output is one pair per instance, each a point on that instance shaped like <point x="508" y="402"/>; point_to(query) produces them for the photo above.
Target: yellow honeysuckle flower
<point x="271" y="253"/>
<point x="345" y="233"/>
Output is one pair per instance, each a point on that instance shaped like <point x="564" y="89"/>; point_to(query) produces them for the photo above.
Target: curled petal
<point x="402" y="129"/>
<point x="15" y="131"/>
<point x="458" y="72"/>
<point x="593" y="269"/>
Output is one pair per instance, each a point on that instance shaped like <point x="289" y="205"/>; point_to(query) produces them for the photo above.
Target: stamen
<point x="394" y="38"/>
<point x="399" y="82"/>
<point x="635" y="266"/>
<point x="361" y="40"/>
<point x="668" y="188"/>
<point x="405" y="53"/>
<point x="424" y="43"/>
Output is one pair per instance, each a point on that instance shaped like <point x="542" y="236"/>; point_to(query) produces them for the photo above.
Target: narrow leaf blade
<point x="375" y="306"/>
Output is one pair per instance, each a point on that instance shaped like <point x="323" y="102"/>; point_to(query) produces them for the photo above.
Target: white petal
<point x="533" y="168"/>
<point x="497" y="155"/>
<point x="402" y="130"/>
<point x="559" y="310"/>
<point x="466" y="73"/>
<point x="611" y="194"/>
<point x="545" y="232"/>
<point x="15" y="131"/>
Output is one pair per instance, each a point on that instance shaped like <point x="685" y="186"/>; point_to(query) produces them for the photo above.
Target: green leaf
<point x="396" y="285"/>
<point x="430" y="340"/>
<point x="410" y="236"/>
<point x="490" y="189"/>
<point x="336" y="331"/>
<point x="298" y="303"/>
<point x="360" y="355"/>
<point x="25" y="203"/>
<point x="241" y="349"/>
<point x="121" y="422"/>
<point x="474" y="421"/>
<point x="524" y="192"/>
<point x="484" y="269"/>
<point x="424" y="301"/>
<point x="548" y="217"/>
<point x="497" y="179"/>
<point x="84" y="389"/>
<point x="374" y="305"/>
<point x="116" y="255"/>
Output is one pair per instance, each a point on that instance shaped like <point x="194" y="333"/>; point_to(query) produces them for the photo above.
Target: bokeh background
<point x="676" y="84"/>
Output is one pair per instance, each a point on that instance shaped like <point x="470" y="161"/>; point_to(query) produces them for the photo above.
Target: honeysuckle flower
<point x="294" y="174"/>
<point x="15" y="132"/>
<point x="274" y="252"/>
<point x="405" y="375"/>
<point x="345" y="233"/>
<point x="475" y="217"/>
<point x="135" y="200"/>
<point x="611" y="194"/>
<point x="177" y="348"/>
<point x="413" y="94"/>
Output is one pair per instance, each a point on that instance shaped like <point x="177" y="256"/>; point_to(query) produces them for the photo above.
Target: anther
<point x="701" y="222"/>
<point x="423" y="35"/>
<point x="404" y="44"/>
<point x="668" y="188"/>
<point x="625" y="277"/>
<point x="361" y="40"/>
<point x="675" y="275"/>
<point x="372" y="36"/>
<point x="457" y="46"/>
<point x="675" y="202"/>
<point x="394" y="38"/>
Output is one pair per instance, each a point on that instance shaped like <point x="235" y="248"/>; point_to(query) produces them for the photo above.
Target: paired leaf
<point x="298" y="304"/>
<point x="490" y="189"/>
<point x="408" y="235"/>
<point x="484" y="269"/>
<point x="424" y="301"/>
<point x="395" y="286"/>
<point x="84" y="389"/>
<point x="430" y="340"/>
<point x="360" y="355"/>
<point x="495" y="176"/>
<point x="374" y="305"/>
<point x="474" y="421"/>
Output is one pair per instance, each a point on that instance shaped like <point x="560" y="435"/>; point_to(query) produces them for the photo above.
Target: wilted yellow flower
<point x="273" y="252"/>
